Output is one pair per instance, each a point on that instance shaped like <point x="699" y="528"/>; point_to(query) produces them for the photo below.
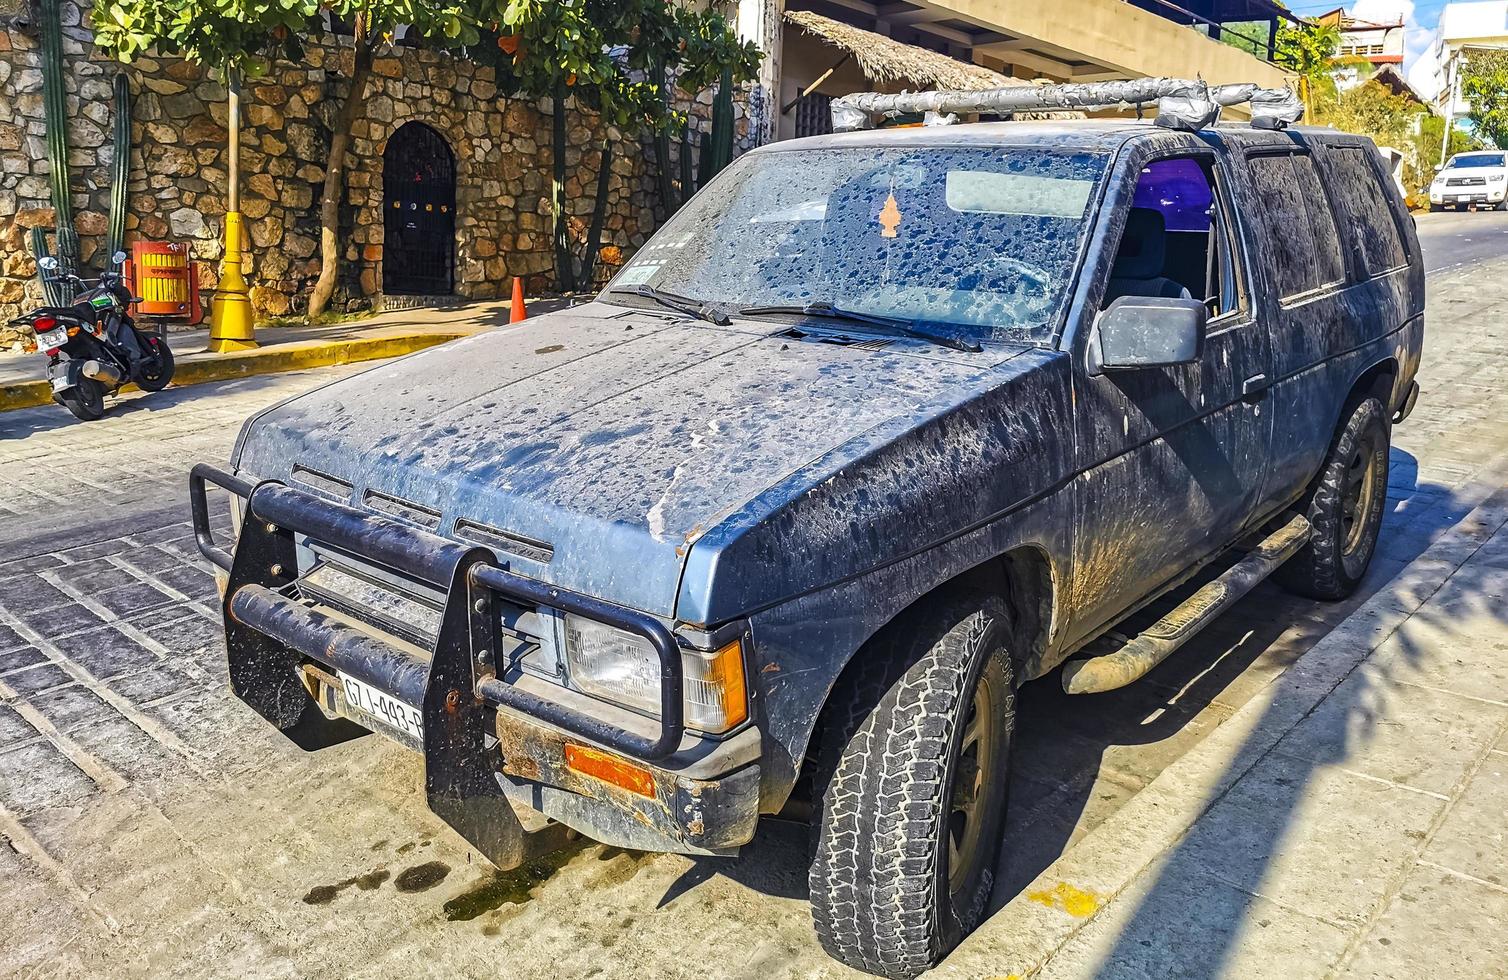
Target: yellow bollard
<point x="231" y="321"/>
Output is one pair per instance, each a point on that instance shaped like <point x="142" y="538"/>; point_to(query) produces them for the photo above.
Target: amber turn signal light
<point x="610" y="769"/>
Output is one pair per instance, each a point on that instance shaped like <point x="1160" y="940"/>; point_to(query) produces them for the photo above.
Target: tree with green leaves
<point x="373" y="22"/>
<point x="1484" y="84"/>
<point x="1309" y="50"/>
<point x="1372" y="110"/>
<point x="611" y="57"/>
<point x="234" y="36"/>
<point x="222" y="35"/>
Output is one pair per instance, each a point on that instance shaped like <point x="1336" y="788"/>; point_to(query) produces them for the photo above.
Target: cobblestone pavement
<point x="156" y="826"/>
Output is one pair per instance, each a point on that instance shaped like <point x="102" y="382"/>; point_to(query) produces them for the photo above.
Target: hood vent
<point x="838" y="339"/>
<point x="403" y="510"/>
<point x="322" y="484"/>
<point x="513" y="544"/>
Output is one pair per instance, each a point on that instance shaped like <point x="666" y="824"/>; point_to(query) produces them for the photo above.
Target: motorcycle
<point x="93" y="347"/>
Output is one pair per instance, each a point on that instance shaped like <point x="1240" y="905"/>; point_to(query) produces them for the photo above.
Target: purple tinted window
<point x="1180" y="190"/>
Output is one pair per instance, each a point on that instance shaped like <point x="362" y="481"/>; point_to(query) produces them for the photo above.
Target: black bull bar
<point x="269" y="634"/>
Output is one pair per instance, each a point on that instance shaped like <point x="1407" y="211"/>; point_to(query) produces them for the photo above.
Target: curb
<point x="295" y="356"/>
<point x="1023" y="937"/>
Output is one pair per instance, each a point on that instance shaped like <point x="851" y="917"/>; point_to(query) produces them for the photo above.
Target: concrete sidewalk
<point x="1348" y="821"/>
<point x="22" y="383"/>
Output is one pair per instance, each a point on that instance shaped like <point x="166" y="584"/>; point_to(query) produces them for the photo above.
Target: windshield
<point x="983" y="240"/>
<point x="1477" y="160"/>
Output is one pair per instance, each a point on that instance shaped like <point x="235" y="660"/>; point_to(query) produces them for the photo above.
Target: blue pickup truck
<point x="878" y="427"/>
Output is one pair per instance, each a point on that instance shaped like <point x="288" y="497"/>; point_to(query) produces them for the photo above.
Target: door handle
<point x="1254" y="388"/>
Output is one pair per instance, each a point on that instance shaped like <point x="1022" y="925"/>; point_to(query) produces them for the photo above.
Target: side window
<point x="1372" y="232"/>
<point x="1300" y="233"/>
<point x="1178" y="240"/>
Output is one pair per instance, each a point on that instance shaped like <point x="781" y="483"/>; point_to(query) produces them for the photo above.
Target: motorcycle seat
<point x="65" y="314"/>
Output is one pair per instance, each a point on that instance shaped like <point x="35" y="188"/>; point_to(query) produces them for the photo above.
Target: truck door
<point x="1171" y="459"/>
<point x="1313" y="314"/>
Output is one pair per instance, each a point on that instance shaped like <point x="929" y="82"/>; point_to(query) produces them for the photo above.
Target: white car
<point x="1479" y="178"/>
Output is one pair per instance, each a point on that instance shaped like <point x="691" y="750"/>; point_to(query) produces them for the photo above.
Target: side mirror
<point x="1148" y="331"/>
<point x="48" y="262"/>
<point x="118" y="258"/>
<point x="1439" y="167"/>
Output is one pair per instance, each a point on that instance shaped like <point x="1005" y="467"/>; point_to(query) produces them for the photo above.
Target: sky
<point x="1419" y="19"/>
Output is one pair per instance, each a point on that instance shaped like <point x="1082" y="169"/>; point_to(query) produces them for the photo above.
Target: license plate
<point x="1463" y="197"/>
<point x="382" y="706"/>
<point x="60" y="383"/>
<point x="52" y="338"/>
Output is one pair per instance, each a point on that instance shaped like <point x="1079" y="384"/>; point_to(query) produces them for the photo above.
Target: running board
<point x="1133" y="658"/>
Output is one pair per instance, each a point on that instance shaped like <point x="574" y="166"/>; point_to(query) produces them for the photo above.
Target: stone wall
<point x="178" y="165"/>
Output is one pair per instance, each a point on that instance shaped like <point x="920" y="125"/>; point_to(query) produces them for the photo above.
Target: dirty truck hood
<point x="615" y="436"/>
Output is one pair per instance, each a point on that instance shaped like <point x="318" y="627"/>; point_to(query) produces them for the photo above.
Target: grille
<point x="1466" y="182"/>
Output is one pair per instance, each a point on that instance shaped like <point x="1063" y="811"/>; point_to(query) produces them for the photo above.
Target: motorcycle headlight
<point x="625" y="669"/>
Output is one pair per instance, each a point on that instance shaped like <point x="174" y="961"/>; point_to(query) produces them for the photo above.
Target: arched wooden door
<point x="419" y="242"/>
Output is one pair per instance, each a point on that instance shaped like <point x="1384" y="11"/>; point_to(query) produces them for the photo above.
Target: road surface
<point x="1451" y="239"/>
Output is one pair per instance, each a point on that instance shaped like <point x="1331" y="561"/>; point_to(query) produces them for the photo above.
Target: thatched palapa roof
<point x="885" y="60"/>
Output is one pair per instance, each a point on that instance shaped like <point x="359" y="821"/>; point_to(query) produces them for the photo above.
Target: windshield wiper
<point x="907" y="328"/>
<point x="681" y="304"/>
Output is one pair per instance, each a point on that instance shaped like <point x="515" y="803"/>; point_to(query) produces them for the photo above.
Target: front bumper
<point x="1473" y="196"/>
<point x="491" y="743"/>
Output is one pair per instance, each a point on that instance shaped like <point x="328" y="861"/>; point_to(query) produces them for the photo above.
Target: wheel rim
<point x="971" y="777"/>
<point x="1358" y="493"/>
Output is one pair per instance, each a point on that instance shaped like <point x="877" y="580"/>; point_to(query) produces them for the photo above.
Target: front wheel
<point x="1345" y="508"/>
<point x="86" y="400"/>
<point x="911" y="789"/>
<point x="157" y="367"/>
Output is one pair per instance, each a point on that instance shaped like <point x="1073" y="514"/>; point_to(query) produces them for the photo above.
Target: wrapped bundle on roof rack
<point x="1181" y="103"/>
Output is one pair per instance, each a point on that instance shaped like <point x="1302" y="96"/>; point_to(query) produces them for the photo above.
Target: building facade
<point x="448" y="186"/>
<point x="1462" y="28"/>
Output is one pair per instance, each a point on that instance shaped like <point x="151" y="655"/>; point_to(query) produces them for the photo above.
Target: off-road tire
<point x="86" y="400"/>
<point x="884" y="787"/>
<point x="1334" y="561"/>
<point x="162" y="373"/>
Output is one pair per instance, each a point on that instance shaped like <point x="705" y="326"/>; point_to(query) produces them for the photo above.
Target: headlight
<point x="625" y="669"/>
<point x="1495" y="178"/>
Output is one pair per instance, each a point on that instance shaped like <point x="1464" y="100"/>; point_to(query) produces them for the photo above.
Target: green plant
<point x="717" y="148"/>
<point x="1309" y="50"/>
<point x="56" y="291"/>
<point x="616" y="58"/>
<point x="1484" y="83"/>
<point x="120" y="174"/>
<point x="1372" y="110"/>
<point x="54" y="105"/>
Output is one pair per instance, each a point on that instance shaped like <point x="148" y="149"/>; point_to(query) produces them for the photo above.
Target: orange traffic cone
<point x="516" y="310"/>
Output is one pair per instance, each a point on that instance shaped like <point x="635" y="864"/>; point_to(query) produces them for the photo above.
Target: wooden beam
<point x="858" y="6"/>
<point x="1001" y="47"/>
<point x="946" y="33"/>
<point x="915" y="16"/>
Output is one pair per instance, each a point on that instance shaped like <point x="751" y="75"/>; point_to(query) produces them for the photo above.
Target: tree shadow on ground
<point x="1286" y="865"/>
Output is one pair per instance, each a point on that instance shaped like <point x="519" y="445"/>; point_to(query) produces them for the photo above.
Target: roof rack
<point x="1181" y="103"/>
